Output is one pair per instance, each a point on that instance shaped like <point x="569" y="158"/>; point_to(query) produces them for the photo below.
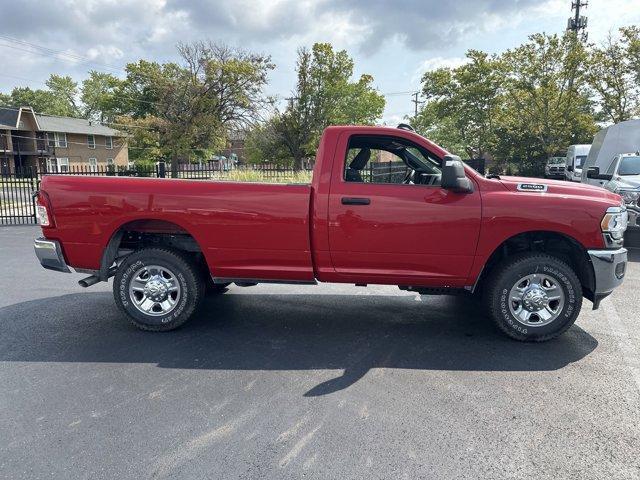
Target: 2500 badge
<point x="532" y="187"/>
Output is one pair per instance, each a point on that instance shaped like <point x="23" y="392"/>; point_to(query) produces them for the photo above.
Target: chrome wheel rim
<point x="536" y="300"/>
<point x="154" y="290"/>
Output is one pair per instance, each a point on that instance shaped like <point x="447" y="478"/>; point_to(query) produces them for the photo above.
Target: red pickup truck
<point x="385" y="206"/>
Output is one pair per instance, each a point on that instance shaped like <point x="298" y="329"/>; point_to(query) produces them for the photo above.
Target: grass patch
<point x="302" y="176"/>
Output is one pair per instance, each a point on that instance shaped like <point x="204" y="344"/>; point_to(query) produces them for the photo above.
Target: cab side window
<point x="386" y="159"/>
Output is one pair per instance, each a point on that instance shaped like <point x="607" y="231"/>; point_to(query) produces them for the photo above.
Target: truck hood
<point x="627" y="181"/>
<point x="559" y="187"/>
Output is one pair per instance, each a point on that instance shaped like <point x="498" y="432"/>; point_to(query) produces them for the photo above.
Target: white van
<point x="623" y="137"/>
<point x="576" y="157"/>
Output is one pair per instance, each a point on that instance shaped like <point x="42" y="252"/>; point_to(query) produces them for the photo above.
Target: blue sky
<point x="395" y="41"/>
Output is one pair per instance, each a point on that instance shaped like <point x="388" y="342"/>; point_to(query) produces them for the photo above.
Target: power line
<point x="40" y="49"/>
<point x="391" y="94"/>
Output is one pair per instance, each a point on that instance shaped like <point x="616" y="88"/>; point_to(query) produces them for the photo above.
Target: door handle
<point x="355" y="201"/>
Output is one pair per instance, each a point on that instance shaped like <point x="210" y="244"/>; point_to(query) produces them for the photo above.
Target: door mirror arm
<point x="594" y="174"/>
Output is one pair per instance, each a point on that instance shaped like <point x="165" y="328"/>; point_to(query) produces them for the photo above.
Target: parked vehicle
<point x="530" y="249"/>
<point x="622" y="176"/>
<point x="555" y="168"/>
<point x="623" y="137"/>
<point x="576" y="156"/>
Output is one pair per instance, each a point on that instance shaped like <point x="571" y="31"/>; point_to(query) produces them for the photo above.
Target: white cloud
<point x="100" y="52"/>
<point x="433" y="63"/>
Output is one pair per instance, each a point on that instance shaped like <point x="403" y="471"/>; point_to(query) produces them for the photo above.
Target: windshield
<point x="579" y="160"/>
<point x="629" y="166"/>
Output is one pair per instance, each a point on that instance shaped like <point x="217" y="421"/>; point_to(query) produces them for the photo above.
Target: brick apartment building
<point x="28" y="139"/>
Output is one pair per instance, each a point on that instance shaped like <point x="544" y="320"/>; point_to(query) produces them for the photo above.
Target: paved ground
<point x="273" y="382"/>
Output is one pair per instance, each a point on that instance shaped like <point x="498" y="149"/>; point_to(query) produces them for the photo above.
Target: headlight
<point x="630" y="197"/>
<point x="615" y="222"/>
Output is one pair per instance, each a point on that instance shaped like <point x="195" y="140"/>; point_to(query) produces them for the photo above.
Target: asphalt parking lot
<point x="318" y="382"/>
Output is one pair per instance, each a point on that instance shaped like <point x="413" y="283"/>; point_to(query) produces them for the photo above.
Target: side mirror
<point x="453" y="176"/>
<point x="570" y="168"/>
<point x="594" y="173"/>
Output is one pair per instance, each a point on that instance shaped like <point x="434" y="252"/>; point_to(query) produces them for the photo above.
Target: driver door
<point x="391" y="223"/>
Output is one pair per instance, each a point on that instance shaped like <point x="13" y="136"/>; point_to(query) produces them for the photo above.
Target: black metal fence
<point x="17" y="205"/>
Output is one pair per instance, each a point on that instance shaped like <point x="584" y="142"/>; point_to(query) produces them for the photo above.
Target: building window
<point x="63" y="164"/>
<point x="91" y="141"/>
<point x="108" y="142"/>
<point x="109" y="161"/>
<point x="57" y="139"/>
<point x="52" y="165"/>
<point x="93" y="164"/>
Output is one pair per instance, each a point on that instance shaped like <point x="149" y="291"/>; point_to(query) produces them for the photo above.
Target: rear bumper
<point x="50" y="255"/>
<point x="609" y="267"/>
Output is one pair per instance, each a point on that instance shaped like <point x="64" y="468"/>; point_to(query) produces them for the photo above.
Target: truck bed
<point x="246" y="230"/>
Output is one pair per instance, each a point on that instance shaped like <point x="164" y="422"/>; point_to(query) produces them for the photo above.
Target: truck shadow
<point x="353" y="333"/>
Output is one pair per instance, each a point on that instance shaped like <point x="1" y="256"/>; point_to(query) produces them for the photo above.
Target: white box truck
<point x="576" y="156"/>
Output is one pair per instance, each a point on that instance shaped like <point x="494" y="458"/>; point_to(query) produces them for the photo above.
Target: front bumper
<point x="609" y="267"/>
<point x="50" y="255"/>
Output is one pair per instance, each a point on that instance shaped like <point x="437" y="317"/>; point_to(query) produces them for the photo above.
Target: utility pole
<point x="578" y="23"/>
<point x="416" y="102"/>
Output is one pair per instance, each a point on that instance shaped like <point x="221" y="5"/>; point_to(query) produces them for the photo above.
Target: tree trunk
<point x="298" y="163"/>
<point x="174" y="166"/>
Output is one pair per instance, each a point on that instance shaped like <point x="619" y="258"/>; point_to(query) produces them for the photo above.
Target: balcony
<point x="34" y="145"/>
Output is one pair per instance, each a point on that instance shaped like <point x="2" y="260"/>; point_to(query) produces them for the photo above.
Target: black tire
<point x="185" y="275"/>
<point x="506" y="276"/>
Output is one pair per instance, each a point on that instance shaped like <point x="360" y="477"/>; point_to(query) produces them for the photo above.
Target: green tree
<point x="195" y="103"/>
<point x="547" y="104"/>
<point x="441" y="129"/>
<point x="631" y="41"/>
<point x="100" y="96"/>
<point x="59" y="98"/>
<point x="613" y="76"/>
<point x="325" y="94"/>
<point x="65" y="90"/>
<point x="138" y="93"/>
<point x="462" y="104"/>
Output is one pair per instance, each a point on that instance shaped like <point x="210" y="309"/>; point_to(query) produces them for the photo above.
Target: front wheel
<point x="158" y="289"/>
<point x="534" y="297"/>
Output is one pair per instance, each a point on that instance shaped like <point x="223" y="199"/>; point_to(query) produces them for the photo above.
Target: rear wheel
<point x="158" y="289"/>
<point x="534" y="297"/>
